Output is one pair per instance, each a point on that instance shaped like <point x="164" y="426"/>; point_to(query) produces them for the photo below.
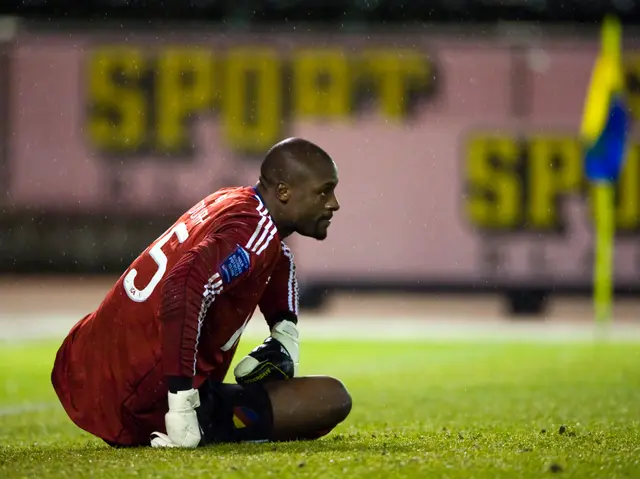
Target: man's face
<point x="314" y="202"/>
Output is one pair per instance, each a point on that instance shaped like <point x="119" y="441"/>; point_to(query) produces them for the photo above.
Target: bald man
<point x="147" y="366"/>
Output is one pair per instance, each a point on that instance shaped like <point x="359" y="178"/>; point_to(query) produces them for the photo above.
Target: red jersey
<point x="179" y="310"/>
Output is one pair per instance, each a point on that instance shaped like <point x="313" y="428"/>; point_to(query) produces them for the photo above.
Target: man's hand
<point x="181" y="421"/>
<point x="275" y="359"/>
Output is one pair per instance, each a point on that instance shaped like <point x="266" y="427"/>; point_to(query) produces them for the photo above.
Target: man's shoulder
<point x="242" y="207"/>
<point x="234" y="198"/>
<point x="226" y="205"/>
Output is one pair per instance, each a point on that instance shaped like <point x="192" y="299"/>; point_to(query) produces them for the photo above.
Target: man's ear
<point x="283" y="191"/>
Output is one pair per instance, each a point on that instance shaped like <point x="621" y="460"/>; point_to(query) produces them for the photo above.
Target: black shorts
<point x="231" y="413"/>
<point x="234" y="412"/>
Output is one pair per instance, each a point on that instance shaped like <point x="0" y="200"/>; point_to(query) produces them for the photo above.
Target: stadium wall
<point x="459" y="159"/>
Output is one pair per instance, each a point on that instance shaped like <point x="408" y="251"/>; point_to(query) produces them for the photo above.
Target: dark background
<point x="333" y="11"/>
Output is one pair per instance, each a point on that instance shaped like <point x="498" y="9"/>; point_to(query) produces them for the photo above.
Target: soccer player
<point x="147" y="366"/>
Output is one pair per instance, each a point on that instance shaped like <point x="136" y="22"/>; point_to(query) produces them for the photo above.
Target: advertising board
<point x="459" y="158"/>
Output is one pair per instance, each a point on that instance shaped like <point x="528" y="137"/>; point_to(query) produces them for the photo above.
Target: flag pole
<point x="604" y="130"/>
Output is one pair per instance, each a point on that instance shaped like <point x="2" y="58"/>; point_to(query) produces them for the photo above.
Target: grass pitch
<point x="421" y="409"/>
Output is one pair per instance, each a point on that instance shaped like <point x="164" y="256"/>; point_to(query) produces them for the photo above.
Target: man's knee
<point x="333" y="399"/>
<point x="307" y="407"/>
<point x="340" y="399"/>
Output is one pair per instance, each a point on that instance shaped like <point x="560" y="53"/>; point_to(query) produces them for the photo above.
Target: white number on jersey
<point x="139" y="296"/>
<point x="235" y="336"/>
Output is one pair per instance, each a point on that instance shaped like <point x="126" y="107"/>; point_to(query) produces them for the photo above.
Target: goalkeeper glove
<point x="276" y="358"/>
<point x="181" y="421"/>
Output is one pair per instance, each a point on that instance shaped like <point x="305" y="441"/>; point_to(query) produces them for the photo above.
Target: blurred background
<point x="454" y="124"/>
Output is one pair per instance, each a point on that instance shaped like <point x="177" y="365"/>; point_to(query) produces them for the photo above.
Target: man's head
<point x="297" y="181"/>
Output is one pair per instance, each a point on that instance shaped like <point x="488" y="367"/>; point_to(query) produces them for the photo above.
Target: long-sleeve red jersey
<point x="179" y="310"/>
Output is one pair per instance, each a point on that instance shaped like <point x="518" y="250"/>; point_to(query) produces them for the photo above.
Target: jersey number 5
<point x="139" y="296"/>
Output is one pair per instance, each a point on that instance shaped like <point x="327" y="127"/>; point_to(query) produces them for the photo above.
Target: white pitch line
<point x="18" y="409"/>
<point x="465" y="330"/>
<point x="431" y="328"/>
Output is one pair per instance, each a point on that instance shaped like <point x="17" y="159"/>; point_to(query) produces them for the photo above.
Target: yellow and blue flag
<point x="604" y="132"/>
<point x="605" y="123"/>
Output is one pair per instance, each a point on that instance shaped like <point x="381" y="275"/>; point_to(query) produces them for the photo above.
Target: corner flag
<point x="604" y="132"/>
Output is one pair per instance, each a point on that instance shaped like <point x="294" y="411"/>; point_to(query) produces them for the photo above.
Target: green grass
<point x="420" y="410"/>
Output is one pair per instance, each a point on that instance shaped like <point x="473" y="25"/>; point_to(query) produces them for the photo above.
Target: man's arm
<point x="280" y="299"/>
<point x="218" y="263"/>
<point x="215" y="265"/>
<point x="279" y="306"/>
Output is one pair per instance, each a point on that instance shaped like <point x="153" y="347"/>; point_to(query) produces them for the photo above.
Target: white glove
<point x="277" y="358"/>
<point x="183" y="429"/>
<point x="161" y="440"/>
<point x="287" y="333"/>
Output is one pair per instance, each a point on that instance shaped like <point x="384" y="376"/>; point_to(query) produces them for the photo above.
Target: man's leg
<point x="298" y="408"/>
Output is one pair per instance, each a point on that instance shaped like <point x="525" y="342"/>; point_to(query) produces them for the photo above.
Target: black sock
<point x="234" y="413"/>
